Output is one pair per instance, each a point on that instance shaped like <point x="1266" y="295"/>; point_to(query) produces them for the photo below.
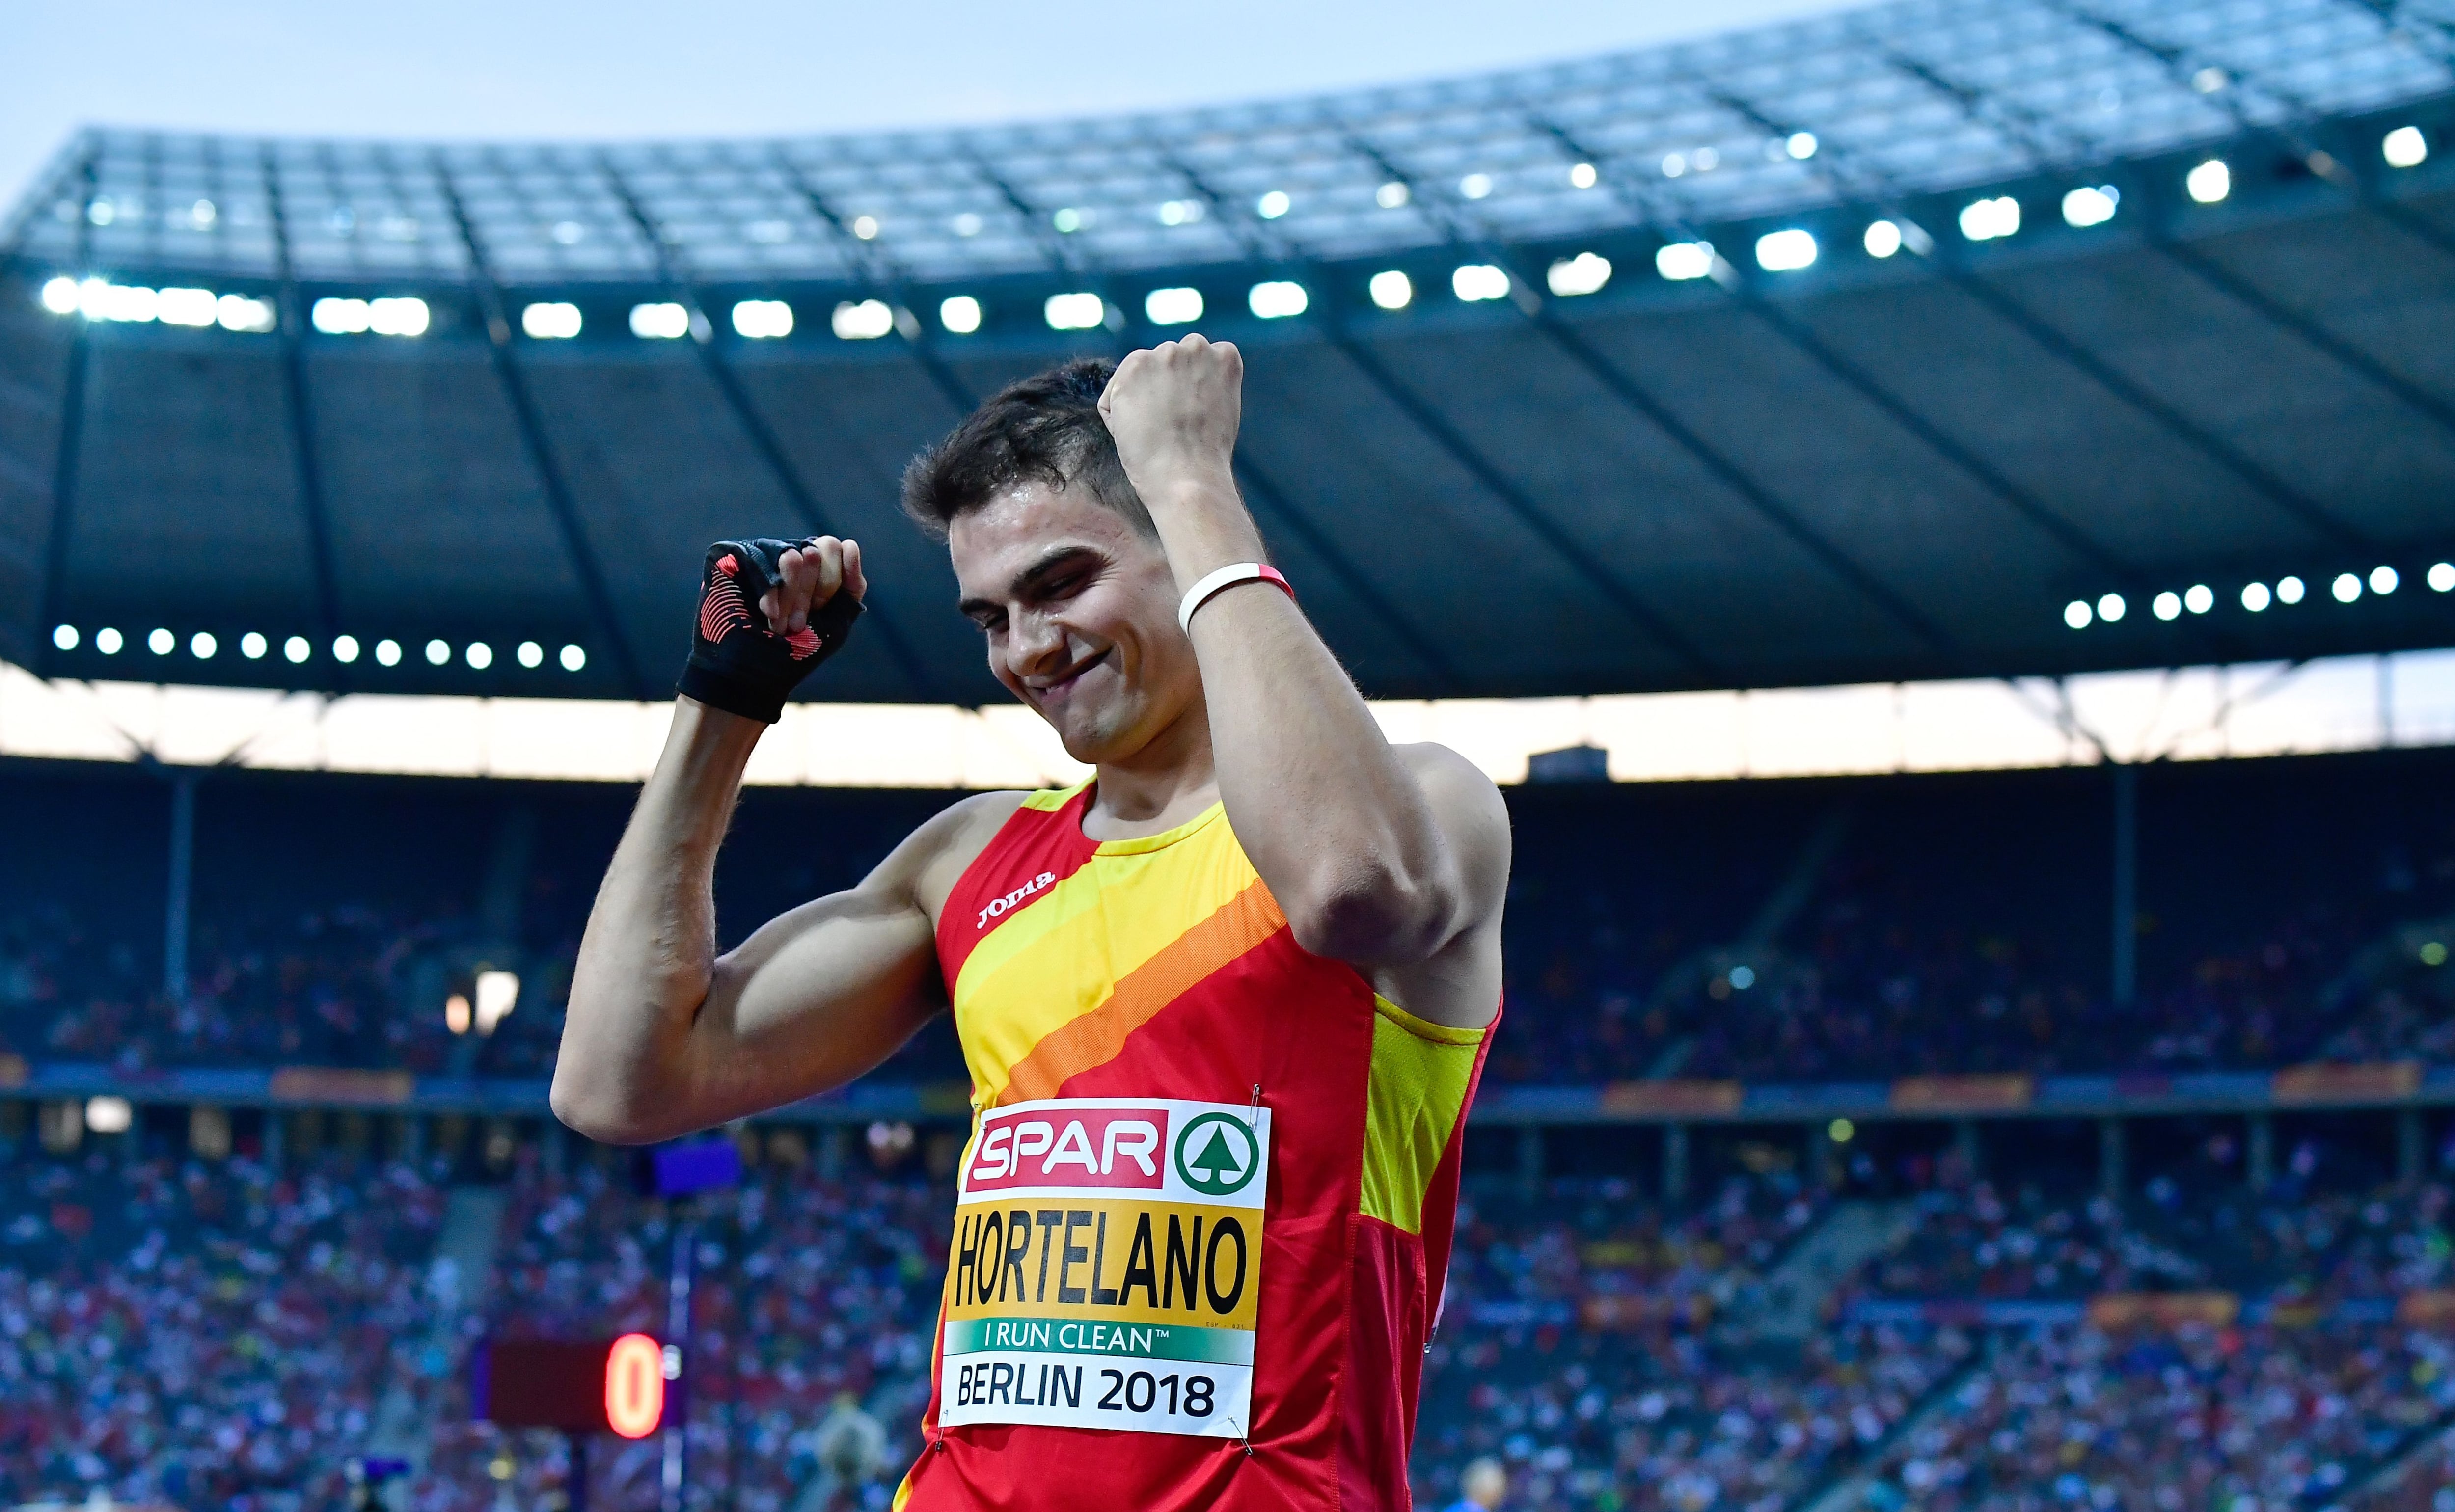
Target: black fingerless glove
<point x="737" y="663"/>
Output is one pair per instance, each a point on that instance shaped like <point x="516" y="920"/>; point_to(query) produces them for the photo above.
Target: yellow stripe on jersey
<point x="1062" y="954"/>
<point x="1413" y="1098"/>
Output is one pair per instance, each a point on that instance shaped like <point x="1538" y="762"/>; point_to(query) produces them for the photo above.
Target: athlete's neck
<point x="1171" y="780"/>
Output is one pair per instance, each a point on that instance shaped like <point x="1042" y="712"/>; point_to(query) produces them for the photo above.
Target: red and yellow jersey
<point x="1206" y="1209"/>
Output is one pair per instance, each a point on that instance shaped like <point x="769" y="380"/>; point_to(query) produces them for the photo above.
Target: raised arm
<point x="663" y="1034"/>
<point x="1393" y="858"/>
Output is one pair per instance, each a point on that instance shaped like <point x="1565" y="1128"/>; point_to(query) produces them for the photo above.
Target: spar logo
<point x="1217" y="1153"/>
<point x="1071" y="1144"/>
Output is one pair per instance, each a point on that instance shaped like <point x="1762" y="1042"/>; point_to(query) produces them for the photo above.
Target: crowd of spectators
<point x="202" y="1334"/>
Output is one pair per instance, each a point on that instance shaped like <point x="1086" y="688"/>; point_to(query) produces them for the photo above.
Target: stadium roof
<point x="1557" y="465"/>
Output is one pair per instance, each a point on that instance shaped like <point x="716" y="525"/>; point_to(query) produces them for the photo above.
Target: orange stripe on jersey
<point x="1095" y="1037"/>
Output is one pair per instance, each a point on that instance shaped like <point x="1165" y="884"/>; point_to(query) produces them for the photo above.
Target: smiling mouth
<point x="1067" y="678"/>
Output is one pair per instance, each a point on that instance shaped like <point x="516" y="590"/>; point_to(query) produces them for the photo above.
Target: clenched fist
<point x="769" y="612"/>
<point x="1175" y="410"/>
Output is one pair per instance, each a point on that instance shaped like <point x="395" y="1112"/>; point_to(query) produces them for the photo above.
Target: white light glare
<point x="2209" y="181"/>
<point x="109" y="301"/>
<point x="1990" y="219"/>
<point x="659" y="322"/>
<point x="398" y="317"/>
<point x="64" y="636"/>
<point x="1391" y="289"/>
<point x="1174" y="307"/>
<point x="2167" y="605"/>
<point x="1068" y="221"/>
<point x="2076" y="613"/>
<point x="1582" y="176"/>
<point x="109" y="1115"/>
<point x="438" y="653"/>
<point x="2110" y="607"/>
<point x="1784" y="252"/>
<point x="161" y="643"/>
<point x="1581" y="274"/>
<point x="865" y="321"/>
<point x="1393" y="195"/>
<point x="551" y="322"/>
<point x="865" y="228"/>
<point x="1273" y="205"/>
<point x="574" y="658"/>
<point x="339" y="317"/>
<point x="2384" y="580"/>
<point x="762" y="319"/>
<point x="388" y="653"/>
<point x="1474" y="282"/>
<point x="202" y="645"/>
<point x="480" y="654"/>
<point x="60" y="297"/>
<point x="2347" y="587"/>
<point x="531" y="654"/>
<point x="960" y="315"/>
<point x="2199" y="599"/>
<point x="253" y="645"/>
<point x="1683" y="260"/>
<point x="1077" y="312"/>
<point x="2288" y="589"/>
<point x="2091" y="205"/>
<point x="185" y="307"/>
<point x="1801" y="145"/>
<point x="1883" y="239"/>
<point x="345" y="649"/>
<point x="1474" y="185"/>
<point x="294" y="650"/>
<point x="106" y="641"/>
<point x="2404" y="147"/>
<point x="1277" y="299"/>
<point x="2255" y="597"/>
<point x="2441" y="577"/>
<point x="1172" y="213"/>
<point x="969" y="224"/>
<point x="240" y="313"/>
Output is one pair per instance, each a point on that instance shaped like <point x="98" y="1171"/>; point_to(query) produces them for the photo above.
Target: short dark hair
<point x="1047" y="427"/>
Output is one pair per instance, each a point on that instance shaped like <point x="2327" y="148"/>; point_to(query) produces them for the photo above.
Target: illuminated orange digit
<point x="635" y="1386"/>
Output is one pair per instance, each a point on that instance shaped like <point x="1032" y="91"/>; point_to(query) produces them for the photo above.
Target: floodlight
<point x="2255" y="597"/>
<point x="202" y="645"/>
<point x="960" y="315"/>
<point x="865" y="228"/>
<point x="1474" y="185"/>
<point x="1990" y="219"/>
<point x="1785" y="251"/>
<point x="1474" y="282"/>
<point x="1277" y="298"/>
<point x="345" y="649"/>
<point x="438" y="653"/>
<point x="1068" y="221"/>
<point x="388" y="653"/>
<point x="531" y="654"/>
<point x="1075" y="311"/>
<point x="762" y="319"/>
<point x="339" y="317"/>
<point x="1582" y="176"/>
<point x="2076" y="613"/>
<point x="60" y="297"/>
<point x="865" y="321"/>
<point x="2384" y="580"/>
<point x="480" y="656"/>
<point x="551" y="322"/>
<point x="2167" y="605"/>
<point x="396" y="317"/>
<point x="2404" y="147"/>
<point x="2090" y="205"/>
<point x="1393" y="195"/>
<point x="659" y="322"/>
<point x="1172" y="307"/>
<point x="1801" y="145"/>
<point x="161" y="643"/>
<point x="106" y="641"/>
<point x="2441" y="577"/>
<point x="1391" y="289"/>
<point x="1883" y="239"/>
<point x="1273" y="205"/>
<point x="574" y="658"/>
<point x="2209" y="181"/>
<point x="2110" y="607"/>
<point x="1581" y="274"/>
<point x="2288" y="589"/>
<point x="296" y="649"/>
<point x="2347" y="587"/>
<point x="240" y="313"/>
<point x="64" y="636"/>
<point x="1683" y="260"/>
<point x="195" y="307"/>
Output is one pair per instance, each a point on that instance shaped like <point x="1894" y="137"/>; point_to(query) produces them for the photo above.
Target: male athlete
<point x="1224" y="1006"/>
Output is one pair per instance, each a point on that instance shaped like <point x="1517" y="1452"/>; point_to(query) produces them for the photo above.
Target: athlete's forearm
<point x="649" y="953"/>
<point x="1331" y="815"/>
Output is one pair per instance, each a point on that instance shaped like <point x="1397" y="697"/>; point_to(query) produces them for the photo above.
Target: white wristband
<point x="1227" y="576"/>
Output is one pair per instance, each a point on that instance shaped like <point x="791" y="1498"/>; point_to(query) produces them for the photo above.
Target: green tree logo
<point x="1217" y="1155"/>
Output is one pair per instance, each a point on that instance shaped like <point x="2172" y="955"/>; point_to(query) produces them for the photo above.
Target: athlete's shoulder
<point x="937" y="854"/>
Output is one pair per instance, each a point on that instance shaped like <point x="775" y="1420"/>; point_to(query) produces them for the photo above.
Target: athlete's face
<point x="1079" y="609"/>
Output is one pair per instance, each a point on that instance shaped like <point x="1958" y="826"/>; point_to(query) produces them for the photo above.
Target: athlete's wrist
<point x="1205" y="526"/>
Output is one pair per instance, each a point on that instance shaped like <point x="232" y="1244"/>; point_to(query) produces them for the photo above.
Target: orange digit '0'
<point x="635" y="1386"/>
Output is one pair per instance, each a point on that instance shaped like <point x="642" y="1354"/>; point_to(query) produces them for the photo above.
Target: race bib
<point x="1106" y="1266"/>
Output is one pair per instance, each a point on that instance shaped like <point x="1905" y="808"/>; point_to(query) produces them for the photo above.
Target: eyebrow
<point x="1031" y="577"/>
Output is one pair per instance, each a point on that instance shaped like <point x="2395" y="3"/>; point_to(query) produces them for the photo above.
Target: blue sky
<point x="617" y="69"/>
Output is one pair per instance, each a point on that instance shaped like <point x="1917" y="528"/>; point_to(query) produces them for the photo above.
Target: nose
<point x="1034" y="643"/>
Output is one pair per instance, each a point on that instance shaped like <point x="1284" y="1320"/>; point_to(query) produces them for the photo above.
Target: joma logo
<point x="998" y="905"/>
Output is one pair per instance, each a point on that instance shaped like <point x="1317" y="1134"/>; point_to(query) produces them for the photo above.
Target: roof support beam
<point x="305" y="461"/>
<point x="754" y="424"/>
<point x="71" y="438"/>
<point x="584" y="563"/>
